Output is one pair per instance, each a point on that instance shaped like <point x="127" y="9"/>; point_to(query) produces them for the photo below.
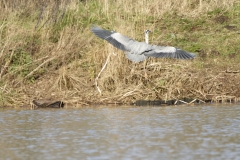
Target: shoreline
<point x="51" y="104"/>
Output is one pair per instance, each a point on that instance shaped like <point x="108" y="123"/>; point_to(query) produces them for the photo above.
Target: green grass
<point x="36" y="34"/>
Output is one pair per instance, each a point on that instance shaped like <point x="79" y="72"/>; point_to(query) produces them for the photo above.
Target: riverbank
<point x="49" y="52"/>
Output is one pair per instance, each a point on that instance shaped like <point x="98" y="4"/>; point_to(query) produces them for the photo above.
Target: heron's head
<point x="147" y="31"/>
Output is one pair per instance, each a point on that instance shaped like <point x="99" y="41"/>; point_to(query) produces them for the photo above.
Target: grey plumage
<point x="139" y="51"/>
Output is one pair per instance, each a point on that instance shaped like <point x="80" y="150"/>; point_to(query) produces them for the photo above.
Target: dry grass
<point x="48" y="51"/>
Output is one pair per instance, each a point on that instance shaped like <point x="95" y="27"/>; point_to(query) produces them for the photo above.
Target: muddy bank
<point x="165" y="86"/>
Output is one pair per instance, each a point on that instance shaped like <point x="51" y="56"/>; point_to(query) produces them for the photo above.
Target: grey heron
<point x="139" y="51"/>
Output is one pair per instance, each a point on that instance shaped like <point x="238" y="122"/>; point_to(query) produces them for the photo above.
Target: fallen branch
<point x="48" y="60"/>
<point x="96" y="83"/>
<point x="229" y="71"/>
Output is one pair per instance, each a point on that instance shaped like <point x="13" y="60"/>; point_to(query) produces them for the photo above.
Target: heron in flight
<point x="139" y="51"/>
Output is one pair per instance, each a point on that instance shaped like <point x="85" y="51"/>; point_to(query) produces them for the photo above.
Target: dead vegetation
<point x="48" y="52"/>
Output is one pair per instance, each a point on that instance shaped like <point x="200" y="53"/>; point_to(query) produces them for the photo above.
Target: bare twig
<point x="31" y="73"/>
<point x="129" y="93"/>
<point x="96" y="83"/>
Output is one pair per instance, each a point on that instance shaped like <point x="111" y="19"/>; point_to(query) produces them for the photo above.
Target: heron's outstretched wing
<point x="168" y="52"/>
<point x="116" y="39"/>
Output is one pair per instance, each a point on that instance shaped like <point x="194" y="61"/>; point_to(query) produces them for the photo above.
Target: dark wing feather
<point x="184" y="54"/>
<point x="107" y="35"/>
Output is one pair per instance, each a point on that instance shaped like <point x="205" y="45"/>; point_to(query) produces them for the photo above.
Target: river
<point x="122" y="132"/>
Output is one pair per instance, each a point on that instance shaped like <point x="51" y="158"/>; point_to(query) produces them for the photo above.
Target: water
<point x="174" y="132"/>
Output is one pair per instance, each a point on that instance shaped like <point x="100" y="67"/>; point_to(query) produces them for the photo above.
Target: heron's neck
<point x="146" y="38"/>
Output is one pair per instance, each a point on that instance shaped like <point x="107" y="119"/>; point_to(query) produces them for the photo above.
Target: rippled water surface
<point x="174" y="132"/>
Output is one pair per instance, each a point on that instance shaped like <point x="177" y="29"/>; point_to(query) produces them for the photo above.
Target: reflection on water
<point x="175" y="132"/>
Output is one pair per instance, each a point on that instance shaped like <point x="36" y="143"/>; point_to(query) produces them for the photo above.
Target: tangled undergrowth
<point x="47" y="51"/>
